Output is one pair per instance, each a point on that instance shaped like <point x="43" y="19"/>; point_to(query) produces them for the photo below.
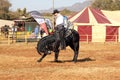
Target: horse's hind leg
<point x="41" y="57"/>
<point x="75" y="48"/>
<point x="75" y="56"/>
<point x="76" y="51"/>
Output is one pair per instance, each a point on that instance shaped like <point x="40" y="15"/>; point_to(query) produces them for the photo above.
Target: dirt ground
<point x="96" y="61"/>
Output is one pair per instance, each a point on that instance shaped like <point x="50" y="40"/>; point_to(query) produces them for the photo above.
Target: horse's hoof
<point x="38" y="60"/>
<point x="74" y="61"/>
<point x="58" y="61"/>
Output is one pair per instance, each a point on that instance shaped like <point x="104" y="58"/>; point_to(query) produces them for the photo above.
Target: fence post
<point x="87" y="39"/>
<point x="26" y="39"/>
<point x="8" y="39"/>
<point x="116" y="38"/>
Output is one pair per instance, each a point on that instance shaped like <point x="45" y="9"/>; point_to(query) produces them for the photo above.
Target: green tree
<point x="107" y="4"/>
<point x="115" y="5"/>
<point x="24" y="12"/>
<point x="4" y="9"/>
<point x="19" y="11"/>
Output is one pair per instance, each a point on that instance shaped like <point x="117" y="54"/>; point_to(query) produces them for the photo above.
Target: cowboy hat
<point x="55" y="11"/>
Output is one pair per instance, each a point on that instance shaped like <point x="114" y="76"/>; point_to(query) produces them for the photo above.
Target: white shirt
<point x="59" y="19"/>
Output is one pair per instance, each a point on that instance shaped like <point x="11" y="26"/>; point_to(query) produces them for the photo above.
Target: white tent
<point x="114" y="16"/>
<point x="6" y="22"/>
<point x="94" y="25"/>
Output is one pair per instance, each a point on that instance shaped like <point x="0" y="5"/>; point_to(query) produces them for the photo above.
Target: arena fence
<point x="24" y="37"/>
<point x="107" y="38"/>
<point x="17" y="37"/>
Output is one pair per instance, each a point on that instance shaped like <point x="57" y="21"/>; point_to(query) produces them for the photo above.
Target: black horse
<point x="47" y="43"/>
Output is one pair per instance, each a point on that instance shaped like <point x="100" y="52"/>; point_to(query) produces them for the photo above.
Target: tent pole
<point x="53" y="15"/>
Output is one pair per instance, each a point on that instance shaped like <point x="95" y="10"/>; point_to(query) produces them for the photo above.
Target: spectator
<point x="36" y="30"/>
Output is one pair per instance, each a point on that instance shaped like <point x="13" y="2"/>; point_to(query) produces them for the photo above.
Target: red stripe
<point x="85" y="33"/>
<point x="83" y="18"/>
<point x="99" y="16"/>
<point x="111" y="33"/>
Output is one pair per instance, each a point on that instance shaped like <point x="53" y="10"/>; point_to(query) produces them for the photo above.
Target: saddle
<point x="68" y="32"/>
<point x="69" y="29"/>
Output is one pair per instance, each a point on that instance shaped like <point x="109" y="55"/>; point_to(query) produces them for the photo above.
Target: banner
<point x="40" y="20"/>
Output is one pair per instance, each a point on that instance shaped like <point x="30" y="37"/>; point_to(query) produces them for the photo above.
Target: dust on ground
<point x="96" y="61"/>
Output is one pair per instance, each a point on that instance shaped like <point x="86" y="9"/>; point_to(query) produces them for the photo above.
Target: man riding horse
<point x="61" y="37"/>
<point x="59" y="30"/>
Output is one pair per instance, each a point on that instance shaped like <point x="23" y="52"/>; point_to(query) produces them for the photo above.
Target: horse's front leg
<point x="43" y="56"/>
<point x="56" y="56"/>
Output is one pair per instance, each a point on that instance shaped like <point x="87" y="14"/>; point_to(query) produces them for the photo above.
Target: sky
<point x="31" y="5"/>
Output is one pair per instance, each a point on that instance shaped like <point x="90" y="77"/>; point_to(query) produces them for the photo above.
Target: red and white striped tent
<point x="94" y="26"/>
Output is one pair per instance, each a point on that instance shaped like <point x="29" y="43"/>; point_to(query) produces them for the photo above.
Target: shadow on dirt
<point x="79" y="60"/>
<point x="86" y="59"/>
